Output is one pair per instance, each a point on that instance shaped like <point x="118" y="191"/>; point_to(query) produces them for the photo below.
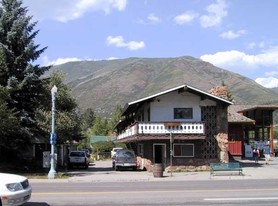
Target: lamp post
<point x="171" y="152"/>
<point x="52" y="173"/>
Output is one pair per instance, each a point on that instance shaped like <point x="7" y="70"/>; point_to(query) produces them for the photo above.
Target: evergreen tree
<point x="229" y="95"/>
<point x="68" y="118"/>
<point x="116" y="116"/>
<point x="100" y="127"/>
<point x="88" y="117"/>
<point x="17" y="72"/>
<point x="10" y="123"/>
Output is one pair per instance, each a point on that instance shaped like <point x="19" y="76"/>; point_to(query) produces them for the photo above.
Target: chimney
<point x="220" y="91"/>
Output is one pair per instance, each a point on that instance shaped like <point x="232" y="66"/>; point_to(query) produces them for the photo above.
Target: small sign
<point x="171" y="124"/>
<point x="46" y="159"/>
<point x="248" y="150"/>
<point x="53" y="138"/>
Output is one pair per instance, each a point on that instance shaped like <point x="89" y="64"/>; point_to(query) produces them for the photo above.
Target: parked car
<point x="78" y="158"/>
<point x="114" y="150"/>
<point x="14" y="189"/>
<point x="124" y="159"/>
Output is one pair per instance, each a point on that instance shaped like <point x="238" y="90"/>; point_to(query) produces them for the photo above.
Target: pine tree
<point x="115" y="118"/>
<point x="100" y="127"/>
<point x="229" y="95"/>
<point x="68" y="118"/>
<point x="18" y="73"/>
<point x="10" y="122"/>
<point x="88" y="117"/>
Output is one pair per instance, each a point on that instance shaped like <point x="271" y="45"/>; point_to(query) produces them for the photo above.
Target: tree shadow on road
<point x="79" y="171"/>
<point x="250" y="163"/>
<point x="94" y="168"/>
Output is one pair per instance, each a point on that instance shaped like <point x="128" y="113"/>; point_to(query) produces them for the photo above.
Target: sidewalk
<point x="101" y="171"/>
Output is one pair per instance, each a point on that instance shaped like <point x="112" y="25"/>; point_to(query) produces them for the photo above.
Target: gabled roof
<point x="133" y="106"/>
<point x="234" y="117"/>
<point x="234" y="111"/>
<point x="245" y="108"/>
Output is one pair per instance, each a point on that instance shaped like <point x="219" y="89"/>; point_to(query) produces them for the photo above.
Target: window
<point x="183" y="150"/>
<point x="183" y="113"/>
<point x="140" y="150"/>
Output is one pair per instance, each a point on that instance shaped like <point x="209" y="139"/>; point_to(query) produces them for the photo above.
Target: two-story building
<point x="250" y="126"/>
<point x="174" y="127"/>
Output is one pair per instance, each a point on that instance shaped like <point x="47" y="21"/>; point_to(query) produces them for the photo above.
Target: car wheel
<point x="116" y="168"/>
<point x="134" y="168"/>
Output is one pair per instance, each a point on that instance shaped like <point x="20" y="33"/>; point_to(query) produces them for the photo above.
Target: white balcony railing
<point x="163" y="128"/>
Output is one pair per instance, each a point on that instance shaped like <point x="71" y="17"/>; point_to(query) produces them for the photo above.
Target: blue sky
<point x="237" y="35"/>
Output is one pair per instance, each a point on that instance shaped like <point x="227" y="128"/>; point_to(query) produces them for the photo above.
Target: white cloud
<point x="216" y="12"/>
<point x="47" y="62"/>
<point x="234" y="59"/>
<point x="259" y="45"/>
<point x="153" y="18"/>
<point x="269" y="82"/>
<point x="232" y="34"/>
<point x="238" y="61"/>
<point x="271" y="73"/>
<point x="251" y="45"/>
<point x="112" y="58"/>
<point x="186" y="17"/>
<point x="119" y="41"/>
<point x="65" y="10"/>
<point x="63" y="60"/>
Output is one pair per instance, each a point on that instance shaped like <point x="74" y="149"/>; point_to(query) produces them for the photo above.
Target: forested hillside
<point x="103" y="84"/>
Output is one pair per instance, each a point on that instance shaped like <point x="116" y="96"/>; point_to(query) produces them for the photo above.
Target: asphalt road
<point x="246" y="192"/>
<point x="102" y="186"/>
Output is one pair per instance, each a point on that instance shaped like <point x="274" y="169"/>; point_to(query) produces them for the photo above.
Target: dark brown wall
<point x="221" y="118"/>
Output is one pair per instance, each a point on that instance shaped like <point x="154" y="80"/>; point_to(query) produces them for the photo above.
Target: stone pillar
<point x="222" y="141"/>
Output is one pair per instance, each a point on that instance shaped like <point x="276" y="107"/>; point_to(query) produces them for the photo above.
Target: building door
<point x="159" y="154"/>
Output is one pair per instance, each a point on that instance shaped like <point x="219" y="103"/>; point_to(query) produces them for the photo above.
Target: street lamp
<point x="171" y="152"/>
<point x="52" y="173"/>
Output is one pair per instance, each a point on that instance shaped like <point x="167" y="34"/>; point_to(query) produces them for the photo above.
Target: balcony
<point x="148" y="128"/>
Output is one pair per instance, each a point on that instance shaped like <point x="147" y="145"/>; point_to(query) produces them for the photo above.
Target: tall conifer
<point x="18" y="73"/>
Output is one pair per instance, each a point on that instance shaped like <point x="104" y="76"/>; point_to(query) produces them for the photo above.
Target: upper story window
<point x="183" y="113"/>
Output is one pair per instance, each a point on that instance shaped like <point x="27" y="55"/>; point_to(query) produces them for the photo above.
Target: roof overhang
<point x="260" y="107"/>
<point x="234" y="117"/>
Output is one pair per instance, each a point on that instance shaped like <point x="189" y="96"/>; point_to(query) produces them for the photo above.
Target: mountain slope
<point x="103" y="84"/>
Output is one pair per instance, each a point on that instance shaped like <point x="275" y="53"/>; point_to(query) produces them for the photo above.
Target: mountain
<point x="102" y="85"/>
<point x="275" y="89"/>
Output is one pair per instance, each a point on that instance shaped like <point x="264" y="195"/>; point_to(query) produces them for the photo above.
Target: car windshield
<point x="123" y="153"/>
<point x="77" y="154"/>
